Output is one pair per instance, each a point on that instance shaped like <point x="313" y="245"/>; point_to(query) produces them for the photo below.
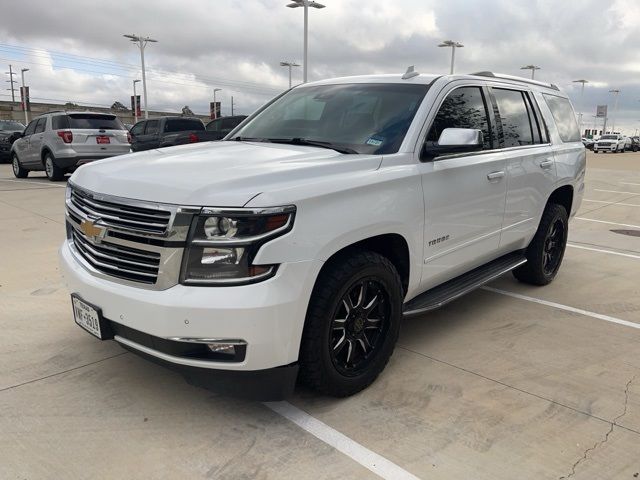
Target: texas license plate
<point x="88" y="317"/>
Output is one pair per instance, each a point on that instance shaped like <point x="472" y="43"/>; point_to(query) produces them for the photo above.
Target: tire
<point x="329" y="342"/>
<point x="546" y="250"/>
<point x="18" y="170"/>
<point x="54" y="173"/>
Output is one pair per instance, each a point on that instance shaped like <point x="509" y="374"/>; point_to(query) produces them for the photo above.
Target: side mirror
<point x="454" y="140"/>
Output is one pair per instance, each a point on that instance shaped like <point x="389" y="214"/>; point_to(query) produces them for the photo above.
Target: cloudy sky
<point x="75" y="50"/>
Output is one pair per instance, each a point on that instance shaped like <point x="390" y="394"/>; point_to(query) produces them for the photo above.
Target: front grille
<point x="120" y="215"/>
<point x="117" y="260"/>
<point x="604" y="144"/>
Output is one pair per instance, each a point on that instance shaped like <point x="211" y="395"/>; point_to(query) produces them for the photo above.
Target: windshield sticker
<point x="375" y="141"/>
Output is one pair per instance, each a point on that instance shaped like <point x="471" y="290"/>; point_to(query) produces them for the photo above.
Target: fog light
<point x="228" y="348"/>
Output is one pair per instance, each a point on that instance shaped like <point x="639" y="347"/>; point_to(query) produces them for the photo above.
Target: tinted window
<point x="30" y="128"/>
<point x="182" y="124"/>
<point x="514" y="117"/>
<point x="367" y="118"/>
<point x="95" y="121"/>
<point x="11" y="126"/>
<point x="40" y="125"/>
<point x="214" y="125"/>
<point x="564" y="117"/>
<point x="152" y="127"/>
<point x="60" y="122"/>
<point x="230" y="123"/>
<point x="137" y="129"/>
<point x="463" y="108"/>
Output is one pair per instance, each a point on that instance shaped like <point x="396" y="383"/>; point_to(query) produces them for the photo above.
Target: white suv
<point x="59" y="142"/>
<point x="294" y="248"/>
<point x="610" y="143"/>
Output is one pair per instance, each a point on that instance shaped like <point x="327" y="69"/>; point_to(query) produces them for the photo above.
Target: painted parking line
<point x="629" y="183"/>
<point x="616" y="191"/>
<point x="365" y="457"/>
<point x="608" y="223"/>
<point x="602" y="250"/>
<point x="612" y="203"/>
<point x="566" y="308"/>
<point x="50" y="184"/>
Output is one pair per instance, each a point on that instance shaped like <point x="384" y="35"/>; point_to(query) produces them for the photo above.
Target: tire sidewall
<point x="48" y="158"/>
<point x="556" y="213"/>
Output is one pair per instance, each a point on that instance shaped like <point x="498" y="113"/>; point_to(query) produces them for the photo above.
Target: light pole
<point x="215" y="105"/>
<point x="533" y="69"/>
<point x="582" y="81"/>
<point x="24" y="97"/>
<point x="142" y="42"/>
<point x="135" y="102"/>
<point x="453" y="45"/>
<point x="289" y="64"/>
<point x="306" y="4"/>
<point x="615" y="91"/>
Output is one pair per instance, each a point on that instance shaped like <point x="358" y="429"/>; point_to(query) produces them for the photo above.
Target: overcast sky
<point x="76" y="51"/>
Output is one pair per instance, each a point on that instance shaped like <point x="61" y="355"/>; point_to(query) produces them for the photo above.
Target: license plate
<point x="88" y="317"/>
<point x="103" y="140"/>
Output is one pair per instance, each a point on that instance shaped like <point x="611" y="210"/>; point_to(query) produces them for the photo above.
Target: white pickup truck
<point x="293" y="249"/>
<point x="610" y="143"/>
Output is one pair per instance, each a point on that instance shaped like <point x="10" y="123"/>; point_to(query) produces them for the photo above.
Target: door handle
<point x="546" y="164"/>
<point x="495" y="176"/>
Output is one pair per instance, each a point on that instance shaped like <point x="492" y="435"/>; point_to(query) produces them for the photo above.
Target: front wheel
<point x="54" y="173"/>
<point x="18" y="171"/>
<point x="546" y="250"/>
<point x="352" y="323"/>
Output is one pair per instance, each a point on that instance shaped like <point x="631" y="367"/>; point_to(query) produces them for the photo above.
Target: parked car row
<point x="59" y="142"/>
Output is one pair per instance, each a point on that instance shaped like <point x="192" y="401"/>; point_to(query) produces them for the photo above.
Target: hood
<point x="221" y="174"/>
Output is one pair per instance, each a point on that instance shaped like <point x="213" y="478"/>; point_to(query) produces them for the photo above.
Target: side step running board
<point x="448" y="291"/>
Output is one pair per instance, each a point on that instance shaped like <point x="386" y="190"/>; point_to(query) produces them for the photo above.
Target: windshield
<point x="361" y="118"/>
<point x="11" y="126"/>
<point x="609" y="137"/>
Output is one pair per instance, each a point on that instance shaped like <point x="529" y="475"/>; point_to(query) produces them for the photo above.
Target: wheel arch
<point x="563" y="196"/>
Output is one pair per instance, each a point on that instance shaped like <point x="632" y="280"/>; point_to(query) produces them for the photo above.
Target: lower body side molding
<point x="456" y="287"/>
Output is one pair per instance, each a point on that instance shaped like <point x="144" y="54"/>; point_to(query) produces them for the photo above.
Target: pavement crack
<point x="597" y="445"/>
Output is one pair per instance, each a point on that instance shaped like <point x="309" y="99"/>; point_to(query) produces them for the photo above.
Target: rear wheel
<point x="546" y="250"/>
<point x="352" y="323"/>
<point x="54" y="173"/>
<point x="18" y="171"/>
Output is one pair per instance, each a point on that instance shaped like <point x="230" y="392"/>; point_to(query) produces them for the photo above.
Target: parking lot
<point x="511" y="381"/>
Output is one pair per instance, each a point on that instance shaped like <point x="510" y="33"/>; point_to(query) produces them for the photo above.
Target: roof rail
<point x="515" y="78"/>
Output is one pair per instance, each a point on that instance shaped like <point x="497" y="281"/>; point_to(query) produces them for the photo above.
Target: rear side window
<point x="60" y="122"/>
<point x="214" y="125"/>
<point x="564" y="117"/>
<point x="152" y="127"/>
<point x="230" y="123"/>
<point x="463" y="108"/>
<point x="138" y="128"/>
<point x="514" y="117"/>
<point x="183" y="124"/>
<point x="40" y="125"/>
<point x="95" y="121"/>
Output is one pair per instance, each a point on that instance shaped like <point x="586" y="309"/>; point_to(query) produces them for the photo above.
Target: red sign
<point x="135" y="107"/>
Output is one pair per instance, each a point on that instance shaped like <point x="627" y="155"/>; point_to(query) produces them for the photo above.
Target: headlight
<point x="223" y="243"/>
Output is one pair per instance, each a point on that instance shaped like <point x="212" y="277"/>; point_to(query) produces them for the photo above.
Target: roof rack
<point x="515" y="78"/>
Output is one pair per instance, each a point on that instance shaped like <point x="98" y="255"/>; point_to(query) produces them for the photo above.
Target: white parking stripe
<point x="49" y="184"/>
<point x="611" y="252"/>
<point x="567" y="308"/>
<point x="616" y="191"/>
<point x="612" y="203"/>
<point x="365" y="457"/>
<point x="608" y="223"/>
<point x="629" y="183"/>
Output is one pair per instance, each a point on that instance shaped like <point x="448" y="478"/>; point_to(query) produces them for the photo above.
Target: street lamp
<point x="306" y="4"/>
<point x="453" y="45"/>
<point x="582" y="81"/>
<point x="289" y="64"/>
<point x="533" y="69"/>
<point x="215" y="105"/>
<point x="24" y="97"/>
<point x="135" y="102"/>
<point x="142" y="42"/>
<point x="615" y="91"/>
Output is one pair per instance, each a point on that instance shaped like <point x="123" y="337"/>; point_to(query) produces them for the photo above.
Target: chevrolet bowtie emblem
<point x="91" y="231"/>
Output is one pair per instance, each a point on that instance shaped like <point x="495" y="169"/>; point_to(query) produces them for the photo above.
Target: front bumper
<point x="605" y="148"/>
<point x="268" y="315"/>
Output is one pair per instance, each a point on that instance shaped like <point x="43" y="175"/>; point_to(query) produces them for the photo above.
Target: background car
<point x="588" y="143"/>
<point x="164" y="132"/>
<point x="9" y="132"/>
<point x="611" y="142"/>
<point x="59" y="142"/>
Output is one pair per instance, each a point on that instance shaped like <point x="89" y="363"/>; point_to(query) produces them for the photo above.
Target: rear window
<point x="564" y="117"/>
<point x="90" y="121"/>
<point x="183" y="124"/>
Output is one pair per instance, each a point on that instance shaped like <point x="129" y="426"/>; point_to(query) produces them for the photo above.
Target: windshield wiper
<point x="250" y="139"/>
<point x="314" y="143"/>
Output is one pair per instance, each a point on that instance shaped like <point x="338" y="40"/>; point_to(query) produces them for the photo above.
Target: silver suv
<point x="59" y="142"/>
